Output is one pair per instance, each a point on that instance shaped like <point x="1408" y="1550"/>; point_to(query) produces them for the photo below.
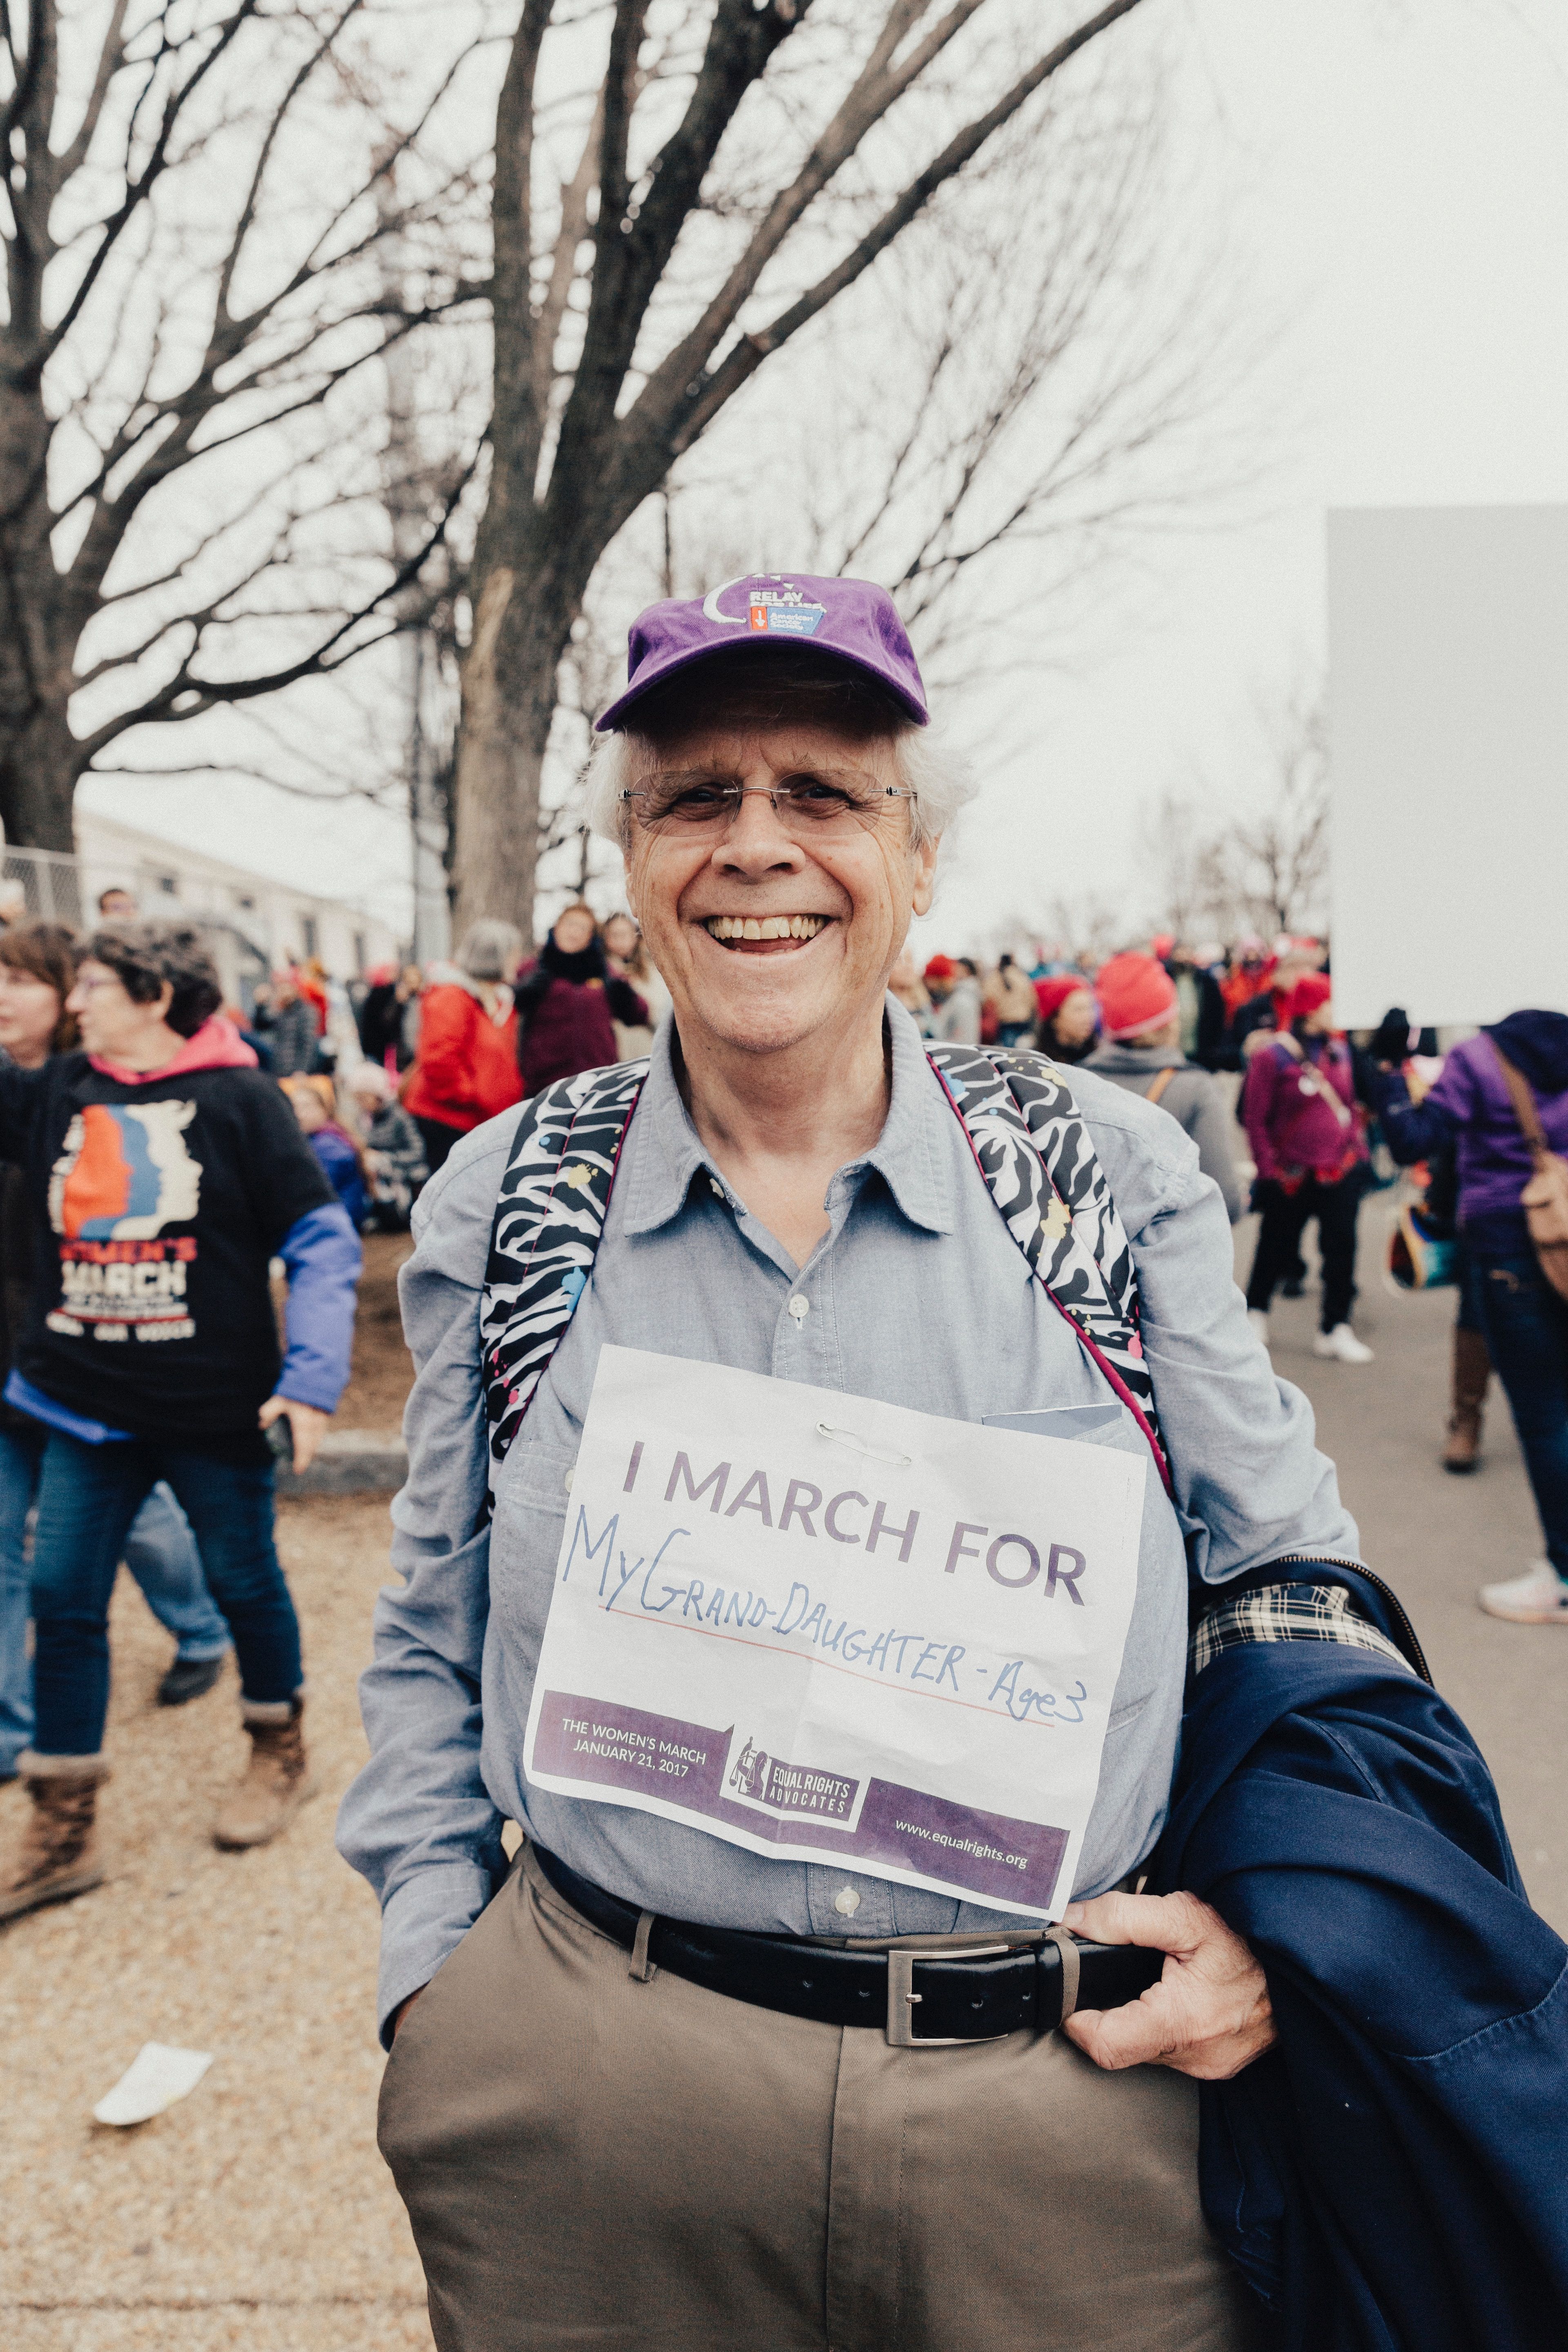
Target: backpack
<point x="1029" y="1143"/>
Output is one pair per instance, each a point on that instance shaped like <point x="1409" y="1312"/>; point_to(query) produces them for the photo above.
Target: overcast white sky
<point x="1398" y="181"/>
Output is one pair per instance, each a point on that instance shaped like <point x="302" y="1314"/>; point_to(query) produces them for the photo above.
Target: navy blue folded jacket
<point x="1392" y="2176"/>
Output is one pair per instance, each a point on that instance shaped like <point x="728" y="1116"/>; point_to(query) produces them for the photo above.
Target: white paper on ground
<point x="903" y="1634"/>
<point x="155" y="2078"/>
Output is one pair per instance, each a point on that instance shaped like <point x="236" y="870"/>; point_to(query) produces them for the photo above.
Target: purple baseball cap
<point x="853" y="621"/>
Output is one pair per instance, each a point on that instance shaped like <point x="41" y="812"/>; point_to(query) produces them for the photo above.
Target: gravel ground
<point x="257" y="2211"/>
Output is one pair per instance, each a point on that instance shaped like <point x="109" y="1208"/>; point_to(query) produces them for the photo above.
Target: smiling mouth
<point x="773" y="934"/>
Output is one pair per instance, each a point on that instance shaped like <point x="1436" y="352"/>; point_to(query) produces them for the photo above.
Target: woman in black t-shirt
<point x="164" y="1172"/>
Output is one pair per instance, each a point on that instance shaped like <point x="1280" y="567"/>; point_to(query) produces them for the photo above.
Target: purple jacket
<point x="1470" y="1108"/>
<point x="1292" y="1130"/>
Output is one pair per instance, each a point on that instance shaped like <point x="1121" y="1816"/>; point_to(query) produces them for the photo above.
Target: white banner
<point x="833" y="1630"/>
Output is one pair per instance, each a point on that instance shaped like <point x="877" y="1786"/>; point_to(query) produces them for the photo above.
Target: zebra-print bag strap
<point x="1029" y="1142"/>
<point x="549" y="1221"/>
<point x="1034" y="1150"/>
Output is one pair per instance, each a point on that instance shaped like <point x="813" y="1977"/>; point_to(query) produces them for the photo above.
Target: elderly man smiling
<point x="631" y="2099"/>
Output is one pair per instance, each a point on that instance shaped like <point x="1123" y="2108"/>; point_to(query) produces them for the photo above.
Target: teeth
<point x="764" y="927"/>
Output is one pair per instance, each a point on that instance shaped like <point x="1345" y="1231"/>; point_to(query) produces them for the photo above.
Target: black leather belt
<point x="950" y="1992"/>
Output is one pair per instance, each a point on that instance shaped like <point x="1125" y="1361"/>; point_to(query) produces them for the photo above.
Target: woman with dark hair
<point x="164" y="1172"/>
<point x="37" y="972"/>
<point x="568" y="1001"/>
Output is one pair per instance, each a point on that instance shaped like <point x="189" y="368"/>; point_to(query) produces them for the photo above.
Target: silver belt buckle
<point x="903" y="2000"/>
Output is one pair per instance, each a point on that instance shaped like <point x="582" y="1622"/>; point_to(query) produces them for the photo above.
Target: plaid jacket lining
<point x="1287" y="1612"/>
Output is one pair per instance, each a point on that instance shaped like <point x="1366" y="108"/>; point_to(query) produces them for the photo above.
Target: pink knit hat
<point x="1135" y="993"/>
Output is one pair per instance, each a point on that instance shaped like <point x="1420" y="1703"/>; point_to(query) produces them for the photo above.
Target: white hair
<point x="371" y="1078"/>
<point x="940" y="778"/>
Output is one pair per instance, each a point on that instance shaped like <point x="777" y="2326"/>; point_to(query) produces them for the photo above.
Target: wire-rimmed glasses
<point x="804" y="806"/>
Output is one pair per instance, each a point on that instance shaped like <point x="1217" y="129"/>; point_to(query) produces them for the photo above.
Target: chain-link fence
<point x="42" y="884"/>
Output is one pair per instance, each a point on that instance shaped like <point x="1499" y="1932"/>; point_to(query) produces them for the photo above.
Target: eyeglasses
<point x="804" y="806"/>
<point x="86" y="987"/>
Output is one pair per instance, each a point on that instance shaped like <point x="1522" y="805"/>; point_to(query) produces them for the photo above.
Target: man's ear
<point x="924" y="890"/>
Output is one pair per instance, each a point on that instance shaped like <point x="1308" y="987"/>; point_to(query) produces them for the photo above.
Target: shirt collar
<point x="908" y="1154"/>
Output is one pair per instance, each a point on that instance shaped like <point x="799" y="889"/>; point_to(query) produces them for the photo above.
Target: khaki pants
<point x="588" y="2161"/>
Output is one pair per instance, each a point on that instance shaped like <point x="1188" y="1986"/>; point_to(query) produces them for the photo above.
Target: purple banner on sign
<point x="990" y="1854"/>
<point x="685" y="1764"/>
<point x="597" y="1739"/>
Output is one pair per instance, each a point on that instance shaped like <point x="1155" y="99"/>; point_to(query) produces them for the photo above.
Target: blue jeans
<point x="1526" y="1326"/>
<point x="160" y="1552"/>
<point x="88" y="1497"/>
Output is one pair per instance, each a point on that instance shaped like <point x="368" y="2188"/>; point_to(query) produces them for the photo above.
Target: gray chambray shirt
<point x="918" y="1294"/>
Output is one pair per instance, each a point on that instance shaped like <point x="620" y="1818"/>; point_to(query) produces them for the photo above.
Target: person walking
<point x="164" y="1172"/>
<point x="627" y="959"/>
<point x="37" y="971"/>
<point x="1069" y="1018"/>
<point x="568" y="1003"/>
<point x="287" y="1022"/>
<point x="954" y="991"/>
<point x="465" y="1067"/>
<point x="1011" y="996"/>
<point x="1493" y="1088"/>
<point x="1299" y="1108"/>
<point x="1141" y="1020"/>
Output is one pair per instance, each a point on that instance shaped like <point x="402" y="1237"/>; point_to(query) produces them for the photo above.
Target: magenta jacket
<point x="1292" y="1131"/>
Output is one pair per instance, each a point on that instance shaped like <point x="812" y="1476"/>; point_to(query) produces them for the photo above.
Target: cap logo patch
<point x="784" y="613"/>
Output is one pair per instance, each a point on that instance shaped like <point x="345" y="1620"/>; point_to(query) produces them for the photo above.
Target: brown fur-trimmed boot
<point x="277" y="1779"/>
<point x="56" y="1856"/>
<point x="1472" y="1372"/>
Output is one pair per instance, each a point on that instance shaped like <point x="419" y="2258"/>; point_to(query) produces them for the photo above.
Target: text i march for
<point x="836" y="1630"/>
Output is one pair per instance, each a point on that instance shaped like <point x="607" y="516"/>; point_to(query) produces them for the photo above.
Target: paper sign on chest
<point x="833" y="1630"/>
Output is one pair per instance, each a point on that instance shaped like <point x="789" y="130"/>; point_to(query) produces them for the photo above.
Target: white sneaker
<point x="1538" y="1597"/>
<point x="1343" y="1344"/>
<point x="1260" y="1322"/>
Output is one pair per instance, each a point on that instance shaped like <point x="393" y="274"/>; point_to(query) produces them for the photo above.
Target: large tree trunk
<point x="521" y="624"/>
<point x="40" y="762"/>
<point x="39" y="628"/>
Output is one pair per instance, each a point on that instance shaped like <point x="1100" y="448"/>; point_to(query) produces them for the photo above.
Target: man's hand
<point x="305" y="1426"/>
<point x="401" y="2011"/>
<point x="1209" y="2015"/>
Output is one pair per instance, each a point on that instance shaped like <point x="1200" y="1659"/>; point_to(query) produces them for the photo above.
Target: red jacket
<point x="465" y="1068"/>
<point x="1293" y="1128"/>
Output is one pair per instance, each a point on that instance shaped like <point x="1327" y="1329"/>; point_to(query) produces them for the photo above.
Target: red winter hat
<point x="1308" y="996"/>
<point x="940" y="967"/>
<point x="1051" y="994"/>
<point x="1135" y="993"/>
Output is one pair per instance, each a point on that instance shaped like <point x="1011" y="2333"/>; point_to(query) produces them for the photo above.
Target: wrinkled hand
<point x="305" y="1426"/>
<point x="1209" y="2015"/>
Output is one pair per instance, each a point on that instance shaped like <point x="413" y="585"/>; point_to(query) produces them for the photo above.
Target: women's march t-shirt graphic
<point x="125" y="1172"/>
<point x="157" y="1208"/>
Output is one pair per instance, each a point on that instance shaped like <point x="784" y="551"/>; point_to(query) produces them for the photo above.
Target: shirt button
<point x="846" y="1901"/>
<point x="800" y="1308"/>
<point x="718" y="1188"/>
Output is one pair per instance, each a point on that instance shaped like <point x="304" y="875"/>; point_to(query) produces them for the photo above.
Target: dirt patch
<point x="257" y="2214"/>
